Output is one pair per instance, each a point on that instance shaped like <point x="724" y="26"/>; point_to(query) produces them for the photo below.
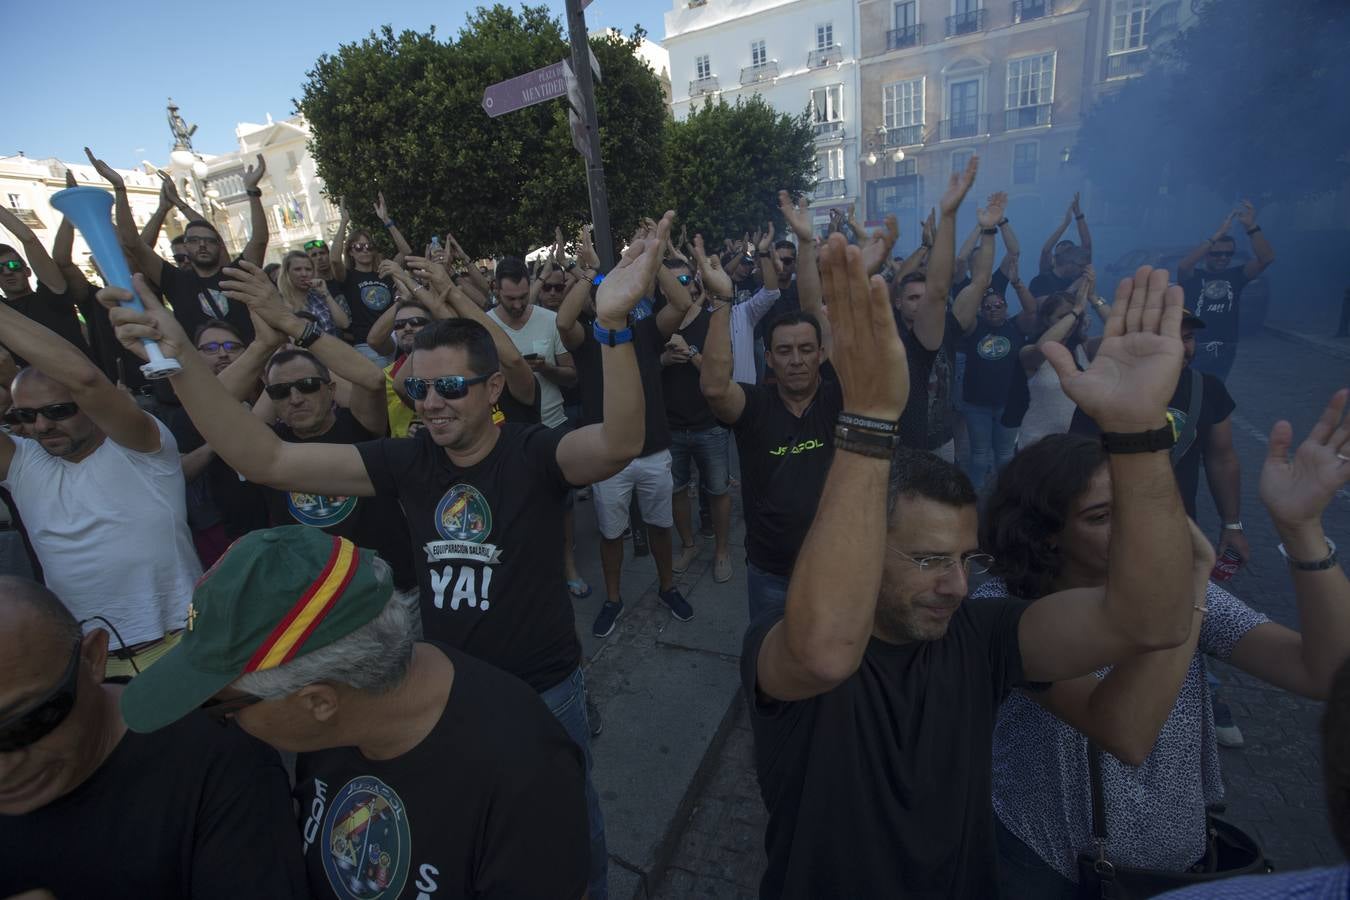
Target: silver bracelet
<point x="1321" y="565"/>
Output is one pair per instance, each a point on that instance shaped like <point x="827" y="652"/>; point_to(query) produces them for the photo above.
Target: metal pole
<point x="595" y="172"/>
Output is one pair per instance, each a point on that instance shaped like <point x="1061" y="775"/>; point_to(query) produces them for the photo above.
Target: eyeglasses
<point x="360" y="248"/>
<point x="996" y="304"/>
<point x="552" y="287"/>
<point x="684" y="279"/>
<point x="53" y="412"/>
<point x="181" y="257"/>
<point x="13" y="265"/>
<point x="207" y="239"/>
<point x="217" y="346"/>
<point x="412" y="322"/>
<point x="43" y="717"/>
<point x="315" y="245"/>
<point x="451" y="387"/>
<point x="222" y="711"/>
<point x="974" y="563"/>
<point x="282" y="389"/>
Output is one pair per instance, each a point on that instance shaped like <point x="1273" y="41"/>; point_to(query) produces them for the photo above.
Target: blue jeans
<point x="707" y="448"/>
<point x="766" y="591"/>
<point x="991" y="444"/>
<point x="567" y="701"/>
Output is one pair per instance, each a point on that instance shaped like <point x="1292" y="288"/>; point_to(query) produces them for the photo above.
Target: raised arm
<point x="1084" y="235"/>
<point x="400" y="242"/>
<point x="724" y="395"/>
<point x="678" y="301"/>
<point x="150" y="233"/>
<point x="1262" y="251"/>
<point x="255" y="251"/>
<point x="142" y="256"/>
<point x="1032" y="355"/>
<point x="809" y="296"/>
<point x="1047" y="258"/>
<point x="832" y="597"/>
<point x="716" y="282"/>
<point x="43" y="266"/>
<point x="1011" y="246"/>
<point x="1186" y="267"/>
<point x="475" y="276"/>
<point x="571" y="331"/>
<point x="1125" y="391"/>
<point x="942" y="262"/>
<point x="339" y="242"/>
<point x="240" y="377"/>
<point x="967" y="304"/>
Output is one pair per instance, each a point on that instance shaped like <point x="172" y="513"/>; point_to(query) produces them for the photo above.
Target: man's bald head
<point x="71" y="436"/>
<point x="31" y="380"/>
<point x="29" y="607"/>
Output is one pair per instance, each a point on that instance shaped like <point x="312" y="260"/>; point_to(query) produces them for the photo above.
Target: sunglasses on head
<point x="360" y="248"/>
<point x="222" y="711"/>
<point x="13" y="265"/>
<point x="411" y="322"/>
<point x="282" y="389"/>
<point x="315" y="245"/>
<point x="52" y="412"/>
<point x="41" y="718"/>
<point x="451" y="387"/>
<point x="217" y="346"/>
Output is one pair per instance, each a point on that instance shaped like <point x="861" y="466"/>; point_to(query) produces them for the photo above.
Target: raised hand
<point x="248" y="284"/>
<point x="1135" y="372"/>
<point x="381" y="209"/>
<point x="930" y="227"/>
<point x="586" y="255"/>
<point x="878" y="247"/>
<point x="253" y="174"/>
<point x="1246" y="215"/>
<point x="992" y="213"/>
<point x="797" y="215"/>
<point x="154" y="322"/>
<point x="1074" y="208"/>
<point x="70" y="179"/>
<point x="456" y="251"/>
<point x="1086" y="285"/>
<point x="107" y="172"/>
<point x="168" y="191"/>
<point x="436" y="274"/>
<point x="625" y="284"/>
<point x="957" y="186"/>
<point x="1010" y="269"/>
<point x="1295" y="491"/>
<point x="715" y="279"/>
<point x="867" y="354"/>
<point x="764" y="240"/>
<point x="1223" y="228"/>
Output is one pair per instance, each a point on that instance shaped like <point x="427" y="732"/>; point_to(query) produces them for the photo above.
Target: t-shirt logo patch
<point x="375" y="295"/>
<point x="993" y="346"/>
<point x="318" y="510"/>
<point x="464" y="521"/>
<point x="1217" y="296"/>
<point x="367" y="844"/>
<point x="214" y="304"/>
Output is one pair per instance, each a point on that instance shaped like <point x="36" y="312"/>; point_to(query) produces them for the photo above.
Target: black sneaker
<point x="593" y="718"/>
<point x="679" y="607"/>
<point x="604" y="623"/>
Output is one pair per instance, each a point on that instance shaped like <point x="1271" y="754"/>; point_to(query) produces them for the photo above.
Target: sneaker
<point x="722" y="570"/>
<point x="604" y="623"/>
<point x="593" y="717"/>
<point x="1229" y="736"/>
<point x="679" y="607"/>
<point x="685" y="559"/>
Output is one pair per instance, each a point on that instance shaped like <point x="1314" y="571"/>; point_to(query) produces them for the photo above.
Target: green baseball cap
<point x="274" y="595"/>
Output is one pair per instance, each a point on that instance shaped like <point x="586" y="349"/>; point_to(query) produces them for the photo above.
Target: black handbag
<point x="1231" y="852"/>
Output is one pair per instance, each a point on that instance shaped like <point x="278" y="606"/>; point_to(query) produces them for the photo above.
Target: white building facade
<point x="799" y="55"/>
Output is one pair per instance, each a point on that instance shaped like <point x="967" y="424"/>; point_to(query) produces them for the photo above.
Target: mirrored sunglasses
<point x="451" y="387"/>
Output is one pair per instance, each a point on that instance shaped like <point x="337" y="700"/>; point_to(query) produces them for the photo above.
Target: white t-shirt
<point x="540" y="335"/>
<point x="111" y="532"/>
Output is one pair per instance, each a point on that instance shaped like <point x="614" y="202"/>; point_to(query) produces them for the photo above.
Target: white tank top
<point x="1050" y="410"/>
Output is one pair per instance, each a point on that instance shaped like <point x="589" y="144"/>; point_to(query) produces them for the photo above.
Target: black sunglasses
<point x="1221" y="254"/>
<point x="14" y="265"/>
<point x="222" y="711"/>
<point x="451" y="387"/>
<point x="282" y="389"/>
<point x="552" y="286"/>
<point x="217" y="346"/>
<point x="53" y="412"/>
<point x="180" y="257"/>
<point x="788" y="260"/>
<point x="42" y="717"/>
<point x="315" y="245"/>
<point x="360" y="248"/>
<point x="411" y="322"/>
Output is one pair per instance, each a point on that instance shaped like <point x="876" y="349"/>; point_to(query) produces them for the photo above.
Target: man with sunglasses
<point x="88" y="808"/>
<point x="1214" y="290"/>
<point x="410" y="317"/>
<point x="178" y="248"/>
<point x="325" y="266"/>
<point x="50" y="304"/>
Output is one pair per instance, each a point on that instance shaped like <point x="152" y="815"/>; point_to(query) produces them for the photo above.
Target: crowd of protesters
<point x="978" y="606"/>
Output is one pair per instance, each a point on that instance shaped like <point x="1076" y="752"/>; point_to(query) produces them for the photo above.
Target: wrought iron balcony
<point x="1123" y="65"/>
<point x="1026" y="10"/>
<point x="818" y="59"/>
<point x="909" y="36"/>
<point x="963" y="127"/>
<point x="756" y="74"/>
<point x="832" y="188"/>
<point x="831" y="130"/>
<point x="1027" y="116"/>
<point x="904" y="136"/>
<point x="965" y="23"/>
<point x="706" y="85"/>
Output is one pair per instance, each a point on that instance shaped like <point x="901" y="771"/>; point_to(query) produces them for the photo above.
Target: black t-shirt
<point x="491" y="803"/>
<point x="1047" y="283"/>
<point x="935" y="396"/>
<point x="881" y="786"/>
<point x="192" y="810"/>
<point x="373" y="522"/>
<point x="784" y="460"/>
<point x="686" y="407"/>
<point x="998" y="284"/>
<point x="991" y="362"/>
<point x="914" y="420"/>
<point x="219" y="491"/>
<point x="1216" y="405"/>
<point x="648" y="343"/>
<point x="368" y="296"/>
<point x="487" y="549"/>
<point x="50" y="310"/>
<point x="509" y="409"/>
<point x="1214" y="297"/>
<point x="196" y="299"/>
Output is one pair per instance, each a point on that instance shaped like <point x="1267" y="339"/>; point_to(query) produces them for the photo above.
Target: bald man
<point x="88" y="808"/>
<point x="100" y="488"/>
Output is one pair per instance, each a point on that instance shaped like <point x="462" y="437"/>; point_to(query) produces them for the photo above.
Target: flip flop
<point x="578" y="588"/>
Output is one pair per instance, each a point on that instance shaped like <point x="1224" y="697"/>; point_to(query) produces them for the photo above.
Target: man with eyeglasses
<point x="88" y="808"/>
<point x="1214" y="290"/>
<point x="534" y="331"/>
<point x="49" y="305"/>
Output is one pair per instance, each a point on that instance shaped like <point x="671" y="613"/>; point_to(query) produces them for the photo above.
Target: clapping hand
<point x="108" y="173"/>
<point x="381" y="209"/>
<point x="716" y="282"/>
<point x="625" y="284"/>
<point x="1246" y="215"/>
<point x="248" y="284"/>
<point x="1223" y="228"/>
<point x="254" y="174"/>
<point x="958" y="184"/>
<point x="867" y="354"/>
<point x="992" y="213"/>
<point x="796" y="214"/>
<point x="1296" y="490"/>
<point x="878" y="247"/>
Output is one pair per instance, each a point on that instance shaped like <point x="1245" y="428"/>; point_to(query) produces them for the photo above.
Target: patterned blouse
<point x="315" y="304"/>
<point x="1155" y="814"/>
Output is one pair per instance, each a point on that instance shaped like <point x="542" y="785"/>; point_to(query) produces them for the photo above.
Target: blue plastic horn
<point x="90" y="208"/>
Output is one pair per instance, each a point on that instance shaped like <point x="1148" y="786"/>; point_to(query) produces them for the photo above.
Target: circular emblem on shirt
<point x="993" y="346"/>
<point x="367" y="844"/>
<point x="1217" y="290"/>
<point x="318" y="510"/>
<point x="214" y="304"/>
<point x="375" y="295"/>
<point x="464" y="515"/>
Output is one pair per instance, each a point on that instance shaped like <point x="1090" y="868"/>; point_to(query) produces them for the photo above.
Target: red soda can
<point x="1226" y="566"/>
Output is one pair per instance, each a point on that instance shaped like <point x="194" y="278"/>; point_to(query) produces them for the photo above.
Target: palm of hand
<point x="1130" y="380"/>
<point x="620" y="290"/>
<point x="1301" y="487"/>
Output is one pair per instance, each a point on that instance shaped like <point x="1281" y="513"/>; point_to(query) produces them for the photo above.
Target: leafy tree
<point x="727" y="164"/>
<point x="402" y="114"/>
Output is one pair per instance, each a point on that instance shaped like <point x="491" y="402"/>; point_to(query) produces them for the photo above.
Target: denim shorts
<point x="709" y="449"/>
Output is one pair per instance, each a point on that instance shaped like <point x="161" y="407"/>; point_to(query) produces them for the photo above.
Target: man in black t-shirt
<point x="50" y="304"/>
<point x="421" y="770"/>
<point x="1214" y="290"/>
<point x="873" y="699"/>
<point x="1070" y="262"/>
<point x="89" y="809"/>
<point x="991" y="345"/>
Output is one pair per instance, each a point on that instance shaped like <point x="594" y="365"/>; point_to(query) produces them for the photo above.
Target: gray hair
<point x="374" y="657"/>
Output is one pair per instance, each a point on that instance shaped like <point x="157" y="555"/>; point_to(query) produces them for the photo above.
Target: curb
<point x="1323" y="344"/>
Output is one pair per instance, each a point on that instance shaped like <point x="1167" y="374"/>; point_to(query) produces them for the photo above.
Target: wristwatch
<point x="1320" y="565"/>
<point x="1232" y="526"/>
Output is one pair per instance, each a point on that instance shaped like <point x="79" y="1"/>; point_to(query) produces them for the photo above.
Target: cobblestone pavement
<point x="1274" y="783"/>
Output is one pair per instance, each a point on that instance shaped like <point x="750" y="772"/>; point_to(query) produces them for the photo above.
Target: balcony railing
<point x="707" y="85"/>
<point x="832" y="188"/>
<point x="904" y="136"/>
<point x="965" y="23"/>
<point x="1123" y="65"/>
<point x="1027" y="116"/>
<point x="756" y="74"/>
<point x="963" y="127"/>
<point x="909" y="36"/>
<point x="1026" y="10"/>
<point x="832" y="129"/>
<point x="828" y="56"/>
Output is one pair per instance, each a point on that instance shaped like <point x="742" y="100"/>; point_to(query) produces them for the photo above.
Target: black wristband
<point x="254" y="192"/>
<point x="307" y="337"/>
<point x="1141" y="442"/>
<point x="1080" y="217"/>
<point x="1003" y="221"/>
<point x="867" y="423"/>
<point x="990" y="230"/>
<point x="1254" y="229"/>
<point x="867" y="443"/>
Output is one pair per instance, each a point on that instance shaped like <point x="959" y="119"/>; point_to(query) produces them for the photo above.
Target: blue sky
<point x="100" y="73"/>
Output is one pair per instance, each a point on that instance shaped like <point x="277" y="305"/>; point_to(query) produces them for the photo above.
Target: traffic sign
<point x="526" y="90"/>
